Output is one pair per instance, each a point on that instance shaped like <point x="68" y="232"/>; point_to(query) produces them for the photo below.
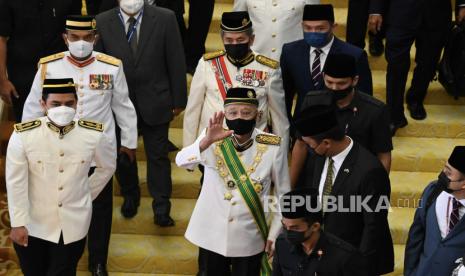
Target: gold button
<point x="82" y="161"/>
<point x="254" y="7"/>
<point x="81" y="79"/>
<point x="82" y="86"/>
<point x="234" y="203"/>
<point x="275" y="4"/>
<point x="61" y="170"/>
<point x="273" y="49"/>
<point x="39" y="161"/>
<point x="62" y="154"/>
<point x="81" y="94"/>
<point x="231" y="219"/>
<point x="274" y="19"/>
<point x="81" y="103"/>
<point x="60" y="188"/>
<point x="59" y="204"/>
<point x="273" y="35"/>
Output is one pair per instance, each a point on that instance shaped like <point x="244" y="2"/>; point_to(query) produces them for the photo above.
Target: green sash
<point x="246" y="188"/>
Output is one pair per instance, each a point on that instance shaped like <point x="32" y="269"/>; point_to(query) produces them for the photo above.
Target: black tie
<point x="455" y="214"/>
<point x="316" y="69"/>
<point x="133" y="38"/>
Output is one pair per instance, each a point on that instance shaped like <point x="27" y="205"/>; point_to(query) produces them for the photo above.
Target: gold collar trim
<point x="243" y="62"/>
<point x="241" y="147"/>
<point x="61" y="131"/>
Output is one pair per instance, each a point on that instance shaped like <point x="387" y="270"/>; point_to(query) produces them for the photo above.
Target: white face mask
<point x="80" y="48"/>
<point x="131" y="6"/>
<point x="61" y="115"/>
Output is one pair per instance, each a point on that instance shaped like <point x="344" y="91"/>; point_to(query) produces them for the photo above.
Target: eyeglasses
<point x="244" y="114"/>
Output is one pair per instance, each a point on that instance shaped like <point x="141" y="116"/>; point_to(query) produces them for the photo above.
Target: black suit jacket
<point x="361" y="174"/>
<point x="156" y="76"/>
<point x="408" y="14"/>
<point x="295" y="67"/>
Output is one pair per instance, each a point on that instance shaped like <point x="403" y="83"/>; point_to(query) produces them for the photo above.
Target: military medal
<point x="101" y="81"/>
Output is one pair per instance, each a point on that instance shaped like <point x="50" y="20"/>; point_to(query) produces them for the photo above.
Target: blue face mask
<point x="315" y="39"/>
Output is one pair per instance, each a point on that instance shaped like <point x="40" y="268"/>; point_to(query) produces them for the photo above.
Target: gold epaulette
<point x="91" y="125"/>
<point x="267" y="61"/>
<point x="20" y="127"/>
<point x="108" y="59"/>
<point x="50" y="58"/>
<point x="213" y="55"/>
<point x="268" y="139"/>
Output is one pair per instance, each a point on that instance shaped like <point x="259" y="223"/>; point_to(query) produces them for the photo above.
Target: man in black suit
<point x="29" y="30"/>
<point x="357" y="19"/>
<point x="305" y="249"/>
<point x="425" y="22"/>
<point x="302" y="61"/>
<point x="344" y="171"/>
<point x="147" y="40"/>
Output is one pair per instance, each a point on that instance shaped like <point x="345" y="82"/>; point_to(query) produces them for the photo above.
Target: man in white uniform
<point x="275" y="21"/>
<point x="49" y="192"/>
<point x="229" y="223"/>
<point x="238" y="66"/>
<point x="103" y="95"/>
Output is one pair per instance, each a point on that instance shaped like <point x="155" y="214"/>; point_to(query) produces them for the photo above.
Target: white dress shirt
<point x="275" y="23"/>
<point x="48" y="187"/>
<point x="444" y="209"/>
<point x="224" y="226"/>
<point x="338" y="160"/>
<point x="137" y="16"/>
<point x="93" y="104"/>
<point x="323" y="55"/>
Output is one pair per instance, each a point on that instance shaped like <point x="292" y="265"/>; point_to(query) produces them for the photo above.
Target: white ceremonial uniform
<point x="102" y="91"/>
<point x="48" y="187"/>
<point x="226" y="226"/>
<point x="275" y="22"/>
<point x="205" y="99"/>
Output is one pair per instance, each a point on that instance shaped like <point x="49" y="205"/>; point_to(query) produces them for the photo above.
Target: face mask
<point x="241" y="126"/>
<point x="237" y="51"/>
<point x="315" y="39"/>
<point x="340" y="94"/>
<point x="80" y="48"/>
<point x="61" y="115"/>
<point x="131" y="6"/>
<point x="444" y="182"/>
<point x="295" y="237"/>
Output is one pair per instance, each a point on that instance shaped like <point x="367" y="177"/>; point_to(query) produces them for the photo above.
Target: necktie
<point x="316" y="69"/>
<point x="328" y="186"/>
<point x="454" y="215"/>
<point x="133" y="42"/>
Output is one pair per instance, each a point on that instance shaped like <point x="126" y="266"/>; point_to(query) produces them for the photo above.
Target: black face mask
<point x="340" y="94"/>
<point x="295" y="237"/>
<point x="444" y="182"/>
<point x="241" y="126"/>
<point x="237" y="51"/>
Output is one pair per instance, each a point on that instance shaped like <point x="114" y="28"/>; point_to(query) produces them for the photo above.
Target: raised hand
<point x="215" y="131"/>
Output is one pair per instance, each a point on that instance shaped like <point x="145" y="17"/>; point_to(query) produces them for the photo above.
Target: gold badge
<point x="94" y="24"/>
<point x="228" y="196"/>
<point x="250" y="94"/>
<point x="258" y="187"/>
<point x="245" y="22"/>
<point x="243" y="178"/>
